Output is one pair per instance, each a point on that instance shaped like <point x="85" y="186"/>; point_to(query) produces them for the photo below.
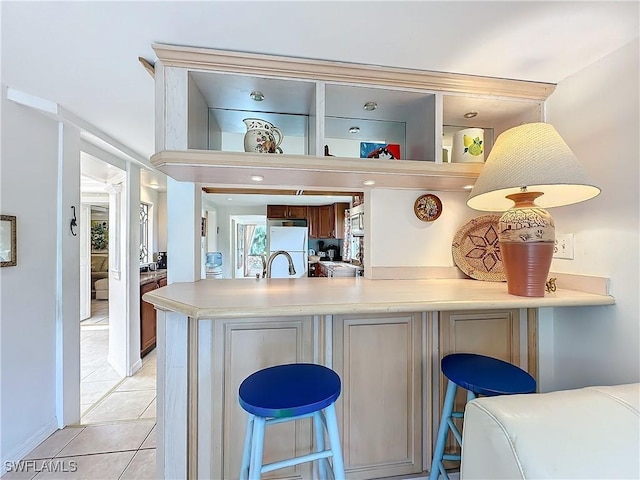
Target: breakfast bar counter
<point x="383" y="337"/>
<point x="319" y="296"/>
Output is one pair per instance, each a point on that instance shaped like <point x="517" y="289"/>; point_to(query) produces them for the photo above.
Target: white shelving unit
<point x="204" y="95"/>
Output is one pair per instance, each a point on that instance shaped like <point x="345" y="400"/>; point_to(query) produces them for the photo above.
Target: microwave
<point x="357" y="221"/>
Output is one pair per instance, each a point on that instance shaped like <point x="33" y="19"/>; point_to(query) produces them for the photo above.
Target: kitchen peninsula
<point x="381" y="336"/>
<point x="385" y="338"/>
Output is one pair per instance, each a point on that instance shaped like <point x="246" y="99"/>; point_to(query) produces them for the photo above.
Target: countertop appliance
<point x="295" y="241"/>
<point x="357" y="220"/>
<point x="162" y="260"/>
<point x="332" y="253"/>
<point x="213" y="265"/>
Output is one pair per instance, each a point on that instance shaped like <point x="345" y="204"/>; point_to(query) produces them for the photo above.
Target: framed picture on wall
<point x="99" y="236"/>
<point x="203" y="227"/>
<point x="8" y="241"/>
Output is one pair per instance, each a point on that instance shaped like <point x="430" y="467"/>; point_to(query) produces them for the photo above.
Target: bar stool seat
<point x="479" y="375"/>
<point x="289" y="392"/>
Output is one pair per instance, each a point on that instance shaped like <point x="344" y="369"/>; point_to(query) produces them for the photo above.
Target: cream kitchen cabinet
<point x="212" y="334"/>
<point x="495" y="333"/>
<point x="380" y="361"/>
<point x="243" y="347"/>
<point x="204" y="95"/>
<point x="384" y="362"/>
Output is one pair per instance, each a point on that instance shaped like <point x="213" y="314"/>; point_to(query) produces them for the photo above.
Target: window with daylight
<point x="144" y="233"/>
<point x="255" y="240"/>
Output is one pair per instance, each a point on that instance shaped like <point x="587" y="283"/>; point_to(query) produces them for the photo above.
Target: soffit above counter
<point x="297" y="171"/>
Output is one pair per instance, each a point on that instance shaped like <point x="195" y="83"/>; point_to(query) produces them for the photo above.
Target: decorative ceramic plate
<point x="476" y="250"/>
<point x="427" y="207"/>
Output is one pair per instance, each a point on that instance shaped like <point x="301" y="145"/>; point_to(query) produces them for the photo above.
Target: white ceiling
<point x="84" y="55"/>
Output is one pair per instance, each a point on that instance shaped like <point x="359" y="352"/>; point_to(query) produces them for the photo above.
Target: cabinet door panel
<point x="312" y="221"/>
<point x="339" y="209"/>
<point x="147" y="321"/>
<point x="276" y="211"/>
<point x="326" y="222"/>
<point x="378" y="358"/>
<point x="296" y="211"/>
<point x="492" y="333"/>
<point x="250" y="346"/>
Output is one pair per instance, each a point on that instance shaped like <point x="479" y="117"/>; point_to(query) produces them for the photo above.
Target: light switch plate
<point x="563" y="247"/>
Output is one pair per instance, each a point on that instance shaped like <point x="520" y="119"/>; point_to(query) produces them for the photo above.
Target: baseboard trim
<point x="23" y="450"/>
<point x="582" y="283"/>
<point x="135" y="367"/>
<point x="415" y="273"/>
<point x="120" y="370"/>
<point x="566" y="281"/>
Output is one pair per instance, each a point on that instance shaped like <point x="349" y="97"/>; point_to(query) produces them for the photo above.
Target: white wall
<point x="398" y="238"/>
<point x="597" y="113"/>
<point x="29" y="312"/>
<point x="162" y="221"/>
<point x="124" y="275"/>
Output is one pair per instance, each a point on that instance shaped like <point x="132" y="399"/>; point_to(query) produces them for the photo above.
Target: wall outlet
<point x="564" y="246"/>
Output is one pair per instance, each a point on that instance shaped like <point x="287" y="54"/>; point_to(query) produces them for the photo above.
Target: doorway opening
<point x="97" y="376"/>
<point x="249" y="245"/>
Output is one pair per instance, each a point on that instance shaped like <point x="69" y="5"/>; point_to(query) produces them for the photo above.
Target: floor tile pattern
<point x="117" y="436"/>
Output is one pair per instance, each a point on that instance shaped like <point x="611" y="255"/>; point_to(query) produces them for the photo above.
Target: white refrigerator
<point x="293" y="240"/>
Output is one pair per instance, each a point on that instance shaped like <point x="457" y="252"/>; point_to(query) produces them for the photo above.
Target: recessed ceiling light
<point x="468" y="187"/>
<point x="257" y="178"/>
<point x="369" y="106"/>
<point x="470" y="114"/>
<point x="369" y="182"/>
<point x="257" y="96"/>
<point x="354" y="129"/>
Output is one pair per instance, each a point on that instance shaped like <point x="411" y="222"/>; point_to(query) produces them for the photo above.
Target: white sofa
<point x="586" y="433"/>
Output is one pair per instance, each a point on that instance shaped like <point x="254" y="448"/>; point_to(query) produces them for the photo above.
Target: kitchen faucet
<point x="292" y="270"/>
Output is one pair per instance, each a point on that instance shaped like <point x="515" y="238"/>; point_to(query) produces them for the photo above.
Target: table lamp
<point x="529" y="165"/>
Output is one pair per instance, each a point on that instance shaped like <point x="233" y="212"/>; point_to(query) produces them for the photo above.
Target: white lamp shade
<point x="534" y="156"/>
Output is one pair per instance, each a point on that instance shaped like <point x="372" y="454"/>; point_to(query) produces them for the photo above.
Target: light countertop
<point x="152" y="276"/>
<point x="227" y="298"/>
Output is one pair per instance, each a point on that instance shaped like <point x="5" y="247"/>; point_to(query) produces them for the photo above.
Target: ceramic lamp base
<point x="526" y="265"/>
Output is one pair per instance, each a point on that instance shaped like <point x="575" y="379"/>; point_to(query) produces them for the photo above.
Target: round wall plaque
<point x="427" y="207"/>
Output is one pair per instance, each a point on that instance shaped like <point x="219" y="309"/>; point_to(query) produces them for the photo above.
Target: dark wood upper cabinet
<point x="324" y="221"/>
<point x="297" y="211"/>
<point x="287" y="211"/>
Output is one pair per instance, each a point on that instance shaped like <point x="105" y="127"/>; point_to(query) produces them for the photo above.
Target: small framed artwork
<point x="8" y="241"/>
<point x="203" y="227"/>
<point x="390" y="151"/>
<point x="99" y="236"/>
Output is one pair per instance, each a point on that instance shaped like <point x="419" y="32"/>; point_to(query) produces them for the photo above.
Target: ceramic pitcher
<point x="261" y="136"/>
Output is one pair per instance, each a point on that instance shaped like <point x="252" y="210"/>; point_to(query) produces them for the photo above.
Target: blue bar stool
<point x="479" y="375"/>
<point x="290" y="392"/>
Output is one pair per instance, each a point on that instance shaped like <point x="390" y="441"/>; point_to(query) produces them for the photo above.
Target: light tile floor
<point x="104" y="395"/>
<point x="118" y="451"/>
<point x="117" y="436"/>
<point x="97" y="377"/>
